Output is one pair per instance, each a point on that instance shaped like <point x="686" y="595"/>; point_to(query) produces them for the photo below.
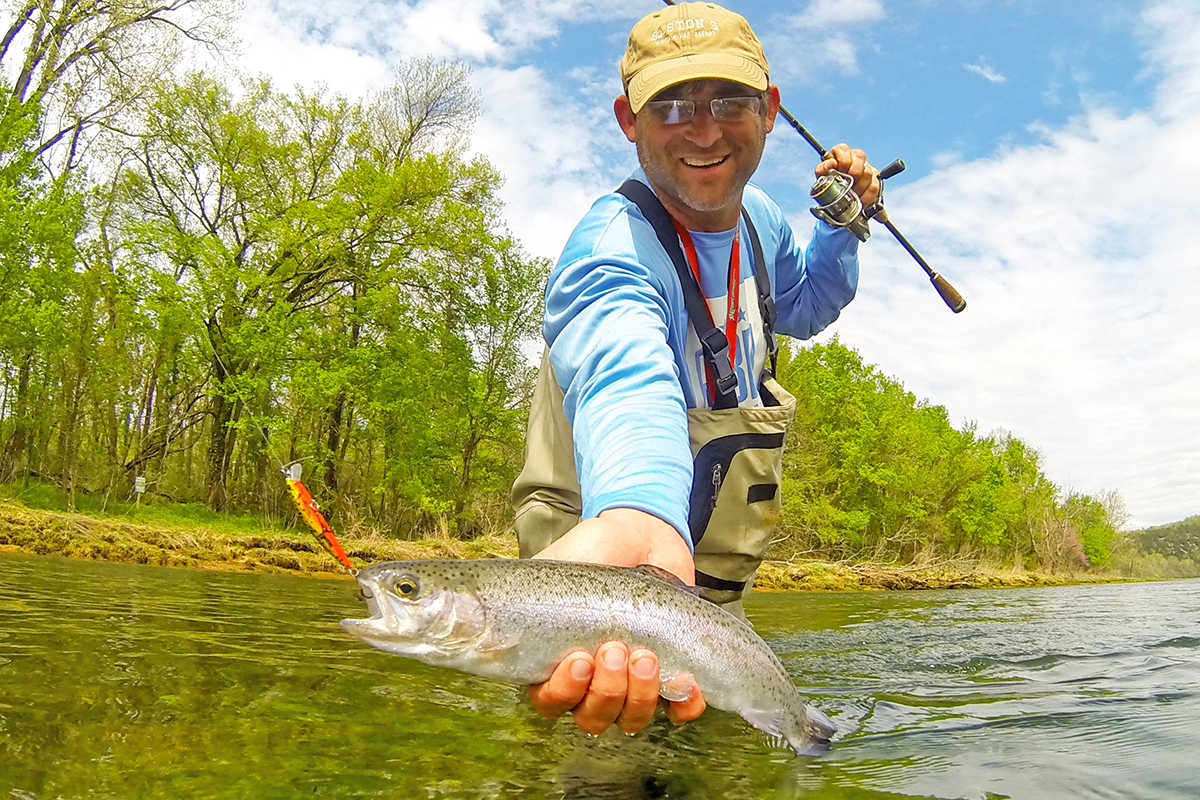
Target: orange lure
<point x="313" y="516"/>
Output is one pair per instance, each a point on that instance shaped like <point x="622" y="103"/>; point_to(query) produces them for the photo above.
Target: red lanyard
<point x="731" y="315"/>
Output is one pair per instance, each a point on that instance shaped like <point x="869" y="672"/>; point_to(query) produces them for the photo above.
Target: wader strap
<point x="712" y="341"/>
<point x="766" y="303"/>
<point x="720" y="584"/>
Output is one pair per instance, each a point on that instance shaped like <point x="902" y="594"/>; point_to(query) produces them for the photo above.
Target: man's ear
<point x="625" y="117"/>
<point x="772" y="106"/>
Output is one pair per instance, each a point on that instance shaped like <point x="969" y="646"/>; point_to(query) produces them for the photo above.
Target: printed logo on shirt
<point x="749" y="356"/>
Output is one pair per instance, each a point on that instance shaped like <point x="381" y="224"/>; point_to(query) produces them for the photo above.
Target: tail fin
<point x="815" y="734"/>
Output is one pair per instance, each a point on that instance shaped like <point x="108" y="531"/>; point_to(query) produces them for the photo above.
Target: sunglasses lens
<point x="671" y="112"/>
<point x="736" y="109"/>
<point x="724" y="109"/>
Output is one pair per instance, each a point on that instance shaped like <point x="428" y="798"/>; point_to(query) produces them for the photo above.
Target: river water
<point x="122" y="681"/>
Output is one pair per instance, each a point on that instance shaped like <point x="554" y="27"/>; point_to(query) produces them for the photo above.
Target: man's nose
<point x="703" y="130"/>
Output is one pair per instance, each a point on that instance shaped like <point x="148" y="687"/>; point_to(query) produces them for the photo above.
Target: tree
<point x="82" y="65"/>
<point x="68" y="69"/>
<point x="342" y="272"/>
<point x="867" y="466"/>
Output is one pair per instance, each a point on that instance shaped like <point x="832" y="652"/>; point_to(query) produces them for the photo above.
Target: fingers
<point x="641" y="698"/>
<point x="854" y="163"/>
<point x="613" y="687"/>
<point x="566" y="687"/>
<point x="605" y="698"/>
<point x="843" y="159"/>
<point x="687" y="710"/>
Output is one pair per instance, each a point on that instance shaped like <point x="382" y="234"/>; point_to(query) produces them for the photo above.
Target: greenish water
<point x="121" y="681"/>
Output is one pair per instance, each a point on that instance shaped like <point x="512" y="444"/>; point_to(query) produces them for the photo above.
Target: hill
<point x="1165" y="551"/>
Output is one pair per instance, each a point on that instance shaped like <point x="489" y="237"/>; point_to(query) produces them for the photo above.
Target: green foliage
<point x="870" y="470"/>
<point x="270" y="277"/>
<point x="1163" y="552"/>
<point x="1180" y="539"/>
<point x="1096" y="533"/>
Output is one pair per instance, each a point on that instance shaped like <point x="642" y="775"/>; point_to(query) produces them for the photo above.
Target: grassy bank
<point x="254" y="545"/>
<point x="250" y="547"/>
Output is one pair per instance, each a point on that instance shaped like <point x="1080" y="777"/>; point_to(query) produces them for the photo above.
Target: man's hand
<point x="616" y="685"/>
<point x="853" y="163"/>
<point x="625" y="537"/>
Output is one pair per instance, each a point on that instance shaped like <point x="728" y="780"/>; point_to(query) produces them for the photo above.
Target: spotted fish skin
<point x="515" y="620"/>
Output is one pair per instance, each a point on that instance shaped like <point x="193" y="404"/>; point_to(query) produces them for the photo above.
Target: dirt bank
<point x="79" y="536"/>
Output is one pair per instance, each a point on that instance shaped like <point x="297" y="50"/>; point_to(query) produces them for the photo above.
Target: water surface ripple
<point x="121" y="681"/>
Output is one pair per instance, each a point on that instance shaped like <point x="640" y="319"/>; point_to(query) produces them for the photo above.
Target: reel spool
<point x="838" y="205"/>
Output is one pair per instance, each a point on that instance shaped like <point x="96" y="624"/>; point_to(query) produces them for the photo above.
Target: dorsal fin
<point x="666" y="576"/>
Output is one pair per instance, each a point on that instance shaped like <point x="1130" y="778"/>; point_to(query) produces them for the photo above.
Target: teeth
<point x="703" y="162"/>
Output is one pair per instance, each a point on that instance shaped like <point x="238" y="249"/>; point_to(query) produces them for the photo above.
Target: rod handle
<point x="949" y="294"/>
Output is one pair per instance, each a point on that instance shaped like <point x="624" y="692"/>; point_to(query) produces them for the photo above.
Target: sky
<point x="1053" y="154"/>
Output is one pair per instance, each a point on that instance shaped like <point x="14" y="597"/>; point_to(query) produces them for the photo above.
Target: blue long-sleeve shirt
<point x="629" y="363"/>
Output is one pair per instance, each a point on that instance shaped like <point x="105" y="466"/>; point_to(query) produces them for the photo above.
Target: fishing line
<point x="839" y="206"/>
<point x="310" y="512"/>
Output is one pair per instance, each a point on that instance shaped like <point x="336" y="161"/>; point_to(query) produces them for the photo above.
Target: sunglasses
<point x="723" y="109"/>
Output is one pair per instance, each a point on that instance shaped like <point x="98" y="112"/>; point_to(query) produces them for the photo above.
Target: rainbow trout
<point x="514" y="620"/>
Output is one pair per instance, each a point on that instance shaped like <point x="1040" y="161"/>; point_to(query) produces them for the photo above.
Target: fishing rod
<point x="310" y="512"/>
<point x="840" y="207"/>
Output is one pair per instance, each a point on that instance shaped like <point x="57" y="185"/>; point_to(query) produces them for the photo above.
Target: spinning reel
<point x="839" y="206"/>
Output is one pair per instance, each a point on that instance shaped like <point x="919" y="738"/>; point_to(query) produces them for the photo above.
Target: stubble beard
<point x="664" y="181"/>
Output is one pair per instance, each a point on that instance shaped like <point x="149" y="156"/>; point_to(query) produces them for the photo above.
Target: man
<point x="656" y="432"/>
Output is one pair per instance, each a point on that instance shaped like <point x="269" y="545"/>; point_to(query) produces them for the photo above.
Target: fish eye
<point x="407" y="587"/>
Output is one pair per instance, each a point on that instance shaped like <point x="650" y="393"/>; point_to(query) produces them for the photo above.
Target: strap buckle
<point x="716" y="353"/>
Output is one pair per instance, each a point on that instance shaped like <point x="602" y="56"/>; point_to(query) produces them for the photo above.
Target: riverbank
<point x="296" y="552"/>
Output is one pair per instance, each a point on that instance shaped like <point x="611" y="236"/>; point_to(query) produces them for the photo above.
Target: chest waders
<point x="737" y="452"/>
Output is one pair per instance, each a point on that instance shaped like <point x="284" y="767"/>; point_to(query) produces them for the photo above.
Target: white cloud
<point x="984" y="70"/>
<point x="492" y="31"/>
<point x="286" y="50"/>
<point x="552" y="151"/>
<point x="825" y="14"/>
<point x="1080" y="267"/>
<point x="827" y="33"/>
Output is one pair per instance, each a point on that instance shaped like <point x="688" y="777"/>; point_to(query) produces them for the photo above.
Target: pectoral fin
<point x="770" y="721"/>
<point x="493" y="641"/>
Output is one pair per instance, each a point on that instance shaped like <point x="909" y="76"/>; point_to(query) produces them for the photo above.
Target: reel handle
<point x="892" y="169"/>
<point x="859" y="225"/>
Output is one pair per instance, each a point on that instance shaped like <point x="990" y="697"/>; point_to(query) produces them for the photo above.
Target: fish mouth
<point x="365" y="627"/>
<point x="372" y="604"/>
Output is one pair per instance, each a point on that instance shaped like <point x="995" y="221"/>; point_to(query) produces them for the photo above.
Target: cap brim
<point x="656" y="77"/>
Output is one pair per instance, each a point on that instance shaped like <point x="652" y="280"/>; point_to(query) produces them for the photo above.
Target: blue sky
<point x="1053" y="153"/>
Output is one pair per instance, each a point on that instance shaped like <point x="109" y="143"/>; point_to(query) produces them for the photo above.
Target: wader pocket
<point x="735" y="498"/>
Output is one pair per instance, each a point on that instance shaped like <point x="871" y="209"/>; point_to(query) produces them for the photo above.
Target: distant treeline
<point x="872" y="471"/>
<point x="202" y="281"/>
<point x="1164" y="551"/>
<point x="1179" y="539"/>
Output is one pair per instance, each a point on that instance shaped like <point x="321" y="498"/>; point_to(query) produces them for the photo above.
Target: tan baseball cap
<point x="689" y="41"/>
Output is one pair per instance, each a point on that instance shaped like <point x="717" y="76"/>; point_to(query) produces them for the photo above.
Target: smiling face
<point x="700" y="167"/>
